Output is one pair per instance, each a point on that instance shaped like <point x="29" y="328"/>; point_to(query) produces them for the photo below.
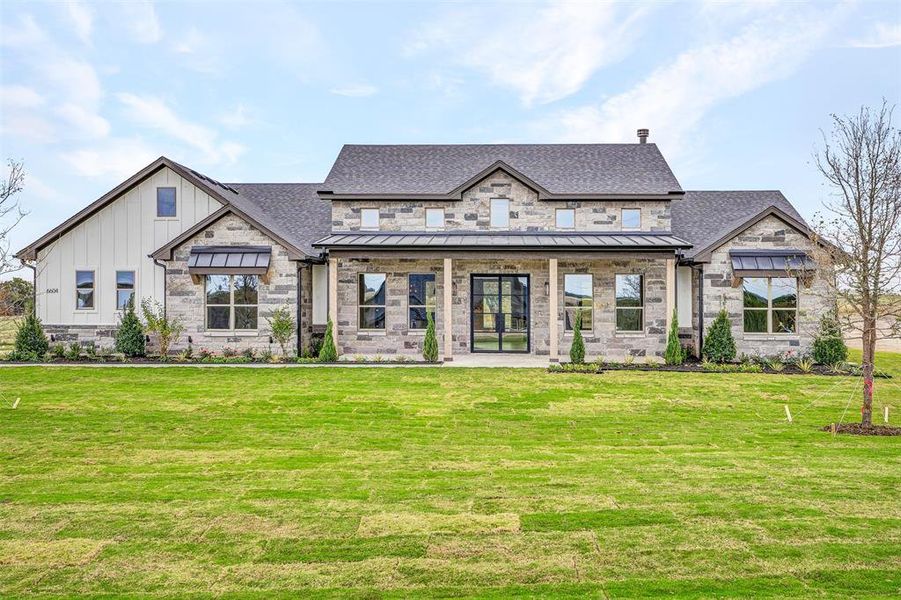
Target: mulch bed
<point x="858" y="429"/>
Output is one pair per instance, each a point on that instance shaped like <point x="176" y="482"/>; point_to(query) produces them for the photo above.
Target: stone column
<point x="448" y="311"/>
<point x="333" y="297"/>
<point x="670" y="290"/>
<point x="552" y="313"/>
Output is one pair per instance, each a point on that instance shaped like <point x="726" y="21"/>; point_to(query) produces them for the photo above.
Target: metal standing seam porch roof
<point x="232" y="260"/>
<point x="537" y="240"/>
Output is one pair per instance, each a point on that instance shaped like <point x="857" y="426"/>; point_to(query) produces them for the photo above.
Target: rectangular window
<point x="434" y="218"/>
<point x="500" y="213"/>
<point x="631" y="219"/>
<point x="231" y="302"/>
<point x="578" y="300"/>
<point x="629" y="302"/>
<point x="125" y="288"/>
<point x="566" y="218"/>
<point x="165" y="202"/>
<point x="421" y="299"/>
<point x="84" y="290"/>
<point x="770" y="304"/>
<point x="371" y="300"/>
<point x="369" y="219"/>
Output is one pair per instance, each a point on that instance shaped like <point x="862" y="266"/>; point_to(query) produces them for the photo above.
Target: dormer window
<point x="631" y="219"/>
<point x="434" y="218"/>
<point x="500" y="213"/>
<point x="566" y="218"/>
<point x="369" y="219"/>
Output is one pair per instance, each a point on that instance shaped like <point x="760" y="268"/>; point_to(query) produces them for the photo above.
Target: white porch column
<point x="552" y="317"/>
<point x="333" y="297"/>
<point x="448" y="311"/>
<point x="670" y="290"/>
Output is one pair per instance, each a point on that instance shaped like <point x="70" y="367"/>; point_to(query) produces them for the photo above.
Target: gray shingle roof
<point x="703" y="217"/>
<point x="292" y="210"/>
<point x="622" y="169"/>
<point x="507" y="240"/>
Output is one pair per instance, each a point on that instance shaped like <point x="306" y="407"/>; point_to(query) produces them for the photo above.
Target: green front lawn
<point x="436" y="482"/>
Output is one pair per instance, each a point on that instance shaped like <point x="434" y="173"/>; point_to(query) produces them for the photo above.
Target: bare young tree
<point x="861" y="161"/>
<point x="11" y="212"/>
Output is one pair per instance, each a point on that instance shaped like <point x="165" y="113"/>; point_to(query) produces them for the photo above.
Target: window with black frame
<point x="125" y="288"/>
<point x="84" y="290"/>
<point x="371" y="300"/>
<point x="232" y="302"/>
<point x="421" y="299"/>
<point x="770" y="304"/>
<point x="629" y="302"/>
<point x="578" y="300"/>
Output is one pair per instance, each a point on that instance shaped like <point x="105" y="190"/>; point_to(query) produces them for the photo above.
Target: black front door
<point x="500" y="313"/>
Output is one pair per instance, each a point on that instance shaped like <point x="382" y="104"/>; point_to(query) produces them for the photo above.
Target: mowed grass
<point x="410" y="482"/>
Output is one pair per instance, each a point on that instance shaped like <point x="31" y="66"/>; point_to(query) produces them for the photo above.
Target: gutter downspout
<point x="159" y="263"/>
<point x="700" y="310"/>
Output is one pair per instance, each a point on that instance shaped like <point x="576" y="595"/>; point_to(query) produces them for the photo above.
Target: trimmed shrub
<point x="130" y="335"/>
<point x="828" y="345"/>
<point x="430" y="344"/>
<point x="673" y="354"/>
<point x="328" y="352"/>
<point x="719" y="345"/>
<point x="31" y="343"/>
<point x="577" y="350"/>
<point x="282" y="325"/>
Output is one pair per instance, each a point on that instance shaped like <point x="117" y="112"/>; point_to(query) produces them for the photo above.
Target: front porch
<point x="502" y="306"/>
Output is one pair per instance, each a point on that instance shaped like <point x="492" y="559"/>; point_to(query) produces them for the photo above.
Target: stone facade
<point x="185" y="296"/>
<point x="813" y="295"/>
<point x="102" y="336"/>
<point x="527" y="212"/>
<point x="602" y="340"/>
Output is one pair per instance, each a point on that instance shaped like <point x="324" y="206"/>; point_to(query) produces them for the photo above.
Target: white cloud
<point x="25" y="33"/>
<point x="355" y="90"/>
<point x="74" y="80"/>
<point x="544" y="54"/>
<point x="884" y="35"/>
<point x="674" y="99"/>
<point x="236" y="118"/>
<point x="82" y="19"/>
<point x="199" y="52"/>
<point x="141" y="22"/>
<point x="87" y="123"/>
<point x="154" y="113"/>
<point x="19" y="96"/>
<point x="114" y="158"/>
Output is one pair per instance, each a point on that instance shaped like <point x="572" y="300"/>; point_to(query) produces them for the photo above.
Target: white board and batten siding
<point x="119" y="237"/>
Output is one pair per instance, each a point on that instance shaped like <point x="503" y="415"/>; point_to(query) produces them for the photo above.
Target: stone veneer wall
<point x="103" y="336"/>
<point x="813" y="299"/>
<point x="399" y="339"/>
<point x="603" y="340"/>
<point x="185" y="299"/>
<point x="527" y="212"/>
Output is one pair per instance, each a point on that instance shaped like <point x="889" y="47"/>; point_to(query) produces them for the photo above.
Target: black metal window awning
<point x="229" y="260"/>
<point x="770" y="263"/>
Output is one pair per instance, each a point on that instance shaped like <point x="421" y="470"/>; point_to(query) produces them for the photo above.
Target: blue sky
<point x="734" y="94"/>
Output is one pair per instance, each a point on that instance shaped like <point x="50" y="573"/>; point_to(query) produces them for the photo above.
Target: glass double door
<point x="500" y="313"/>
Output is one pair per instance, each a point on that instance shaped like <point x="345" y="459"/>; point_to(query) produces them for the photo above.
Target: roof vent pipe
<point x="643" y="136"/>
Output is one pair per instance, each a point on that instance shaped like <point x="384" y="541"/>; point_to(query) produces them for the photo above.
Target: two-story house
<point x="503" y="244"/>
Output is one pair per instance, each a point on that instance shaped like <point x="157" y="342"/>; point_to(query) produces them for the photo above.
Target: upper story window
<point x="770" y="304"/>
<point x="434" y="218"/>
<point x="125" y="288"/>
<point x="369" y="219"/>
<point x="566" y="218"/>
<point x="165" y="202"/>
<point x="84" y="290"/>
<point x="231" y="302"/>
<point x="371" y="300"/>
<point x="578" y="300"/>
<point x="500" y="213"/>
<point x="631" y="219"/>
<point x="629" y="302"/>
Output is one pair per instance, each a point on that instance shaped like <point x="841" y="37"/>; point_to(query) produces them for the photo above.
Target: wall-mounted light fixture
<point x="547" y="288"/>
